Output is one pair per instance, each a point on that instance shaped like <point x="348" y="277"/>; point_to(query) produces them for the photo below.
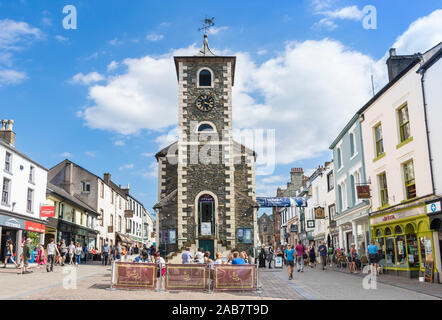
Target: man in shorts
<point x="372" y="255"/>
<point x="26" y="256"/>
<point x="63" y="252"/>
<point x="52" y="250"/>
<point x="289" y="255"/>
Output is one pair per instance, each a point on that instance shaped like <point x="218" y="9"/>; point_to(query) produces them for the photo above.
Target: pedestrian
<point x="331" y="254"/>
<point x="186" y="256"/>
<point x="237" y="259"/>
<point x="373" y="256"/>
<point x="64" y="252"/>
<point x="26" y="256"/>
<point x="270" y="257"/>
<point x="323" y="254"/>
<point x="71" y="250"/>
<point x="289" y="255"/>
<point x="161" y="264"/>
<point x="117" y="251"/>
<point x="244" y="255"/>
<point x="199" y="256"/>
<point x="10" y="253"/>
<point x="123" y="253"/>
<point x="312" y="255"/>
<point x="105" y="251"/>
<point x="352" y="258"/>
<point x="262" y="258"/>
<point x="300" y="256"/>
<point x="41" y="256"/>
<point x="52" y="250"/>
<point x="85" y="252"/>
<point x="144" y="256"/>
<point x="78" y="252"/>
<point x="207" y="259"/>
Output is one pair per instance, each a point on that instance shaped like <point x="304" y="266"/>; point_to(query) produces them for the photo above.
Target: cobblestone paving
<point x="93" y="281"/>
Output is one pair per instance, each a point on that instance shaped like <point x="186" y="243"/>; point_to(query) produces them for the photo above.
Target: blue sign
<point x="281" y="202"/>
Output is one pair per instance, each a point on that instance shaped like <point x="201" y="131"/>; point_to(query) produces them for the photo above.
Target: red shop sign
<point x="33" y="226"/>
<point x="47" y="211"/>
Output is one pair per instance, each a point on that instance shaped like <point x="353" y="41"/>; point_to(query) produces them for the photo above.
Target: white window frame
<point x="31" y="209"/>
<point x="84" y="185"/>
<point x="8" y="191"/>
<point x="32" y="174"/>
<point x="198" y="77"/>
<point x="8" y="162"/>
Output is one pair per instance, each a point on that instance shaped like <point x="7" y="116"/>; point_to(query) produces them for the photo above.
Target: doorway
<point x="206" y="215"/>
<point x="207" y="245"/>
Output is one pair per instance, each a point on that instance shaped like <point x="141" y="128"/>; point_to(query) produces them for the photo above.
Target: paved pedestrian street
<point x="93" y="282"/>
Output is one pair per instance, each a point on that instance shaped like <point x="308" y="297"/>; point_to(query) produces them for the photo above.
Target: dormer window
<point x="205" y="78"/>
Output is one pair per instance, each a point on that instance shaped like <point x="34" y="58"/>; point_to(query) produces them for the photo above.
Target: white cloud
<point x="321" y="4"/>
<point x="127" y="166"/>
<point x="273" y="179"/>
<point x="46" y="21"/>
<point x="9" y="76"/>
<point x="119" y="143"/>
<point x="325" y="23"/>
<point x="14" y="36"/>
<point x="147" y="154"/>
<point x="61" y="38"/>
<point x="115" y="42"/>
<point x="262" y="52"/>
<point x="216" y="30"/>
<point x="422" y="34"/>
<point x="351" y="13"/>
<point x="151" y="172"/>
<point x="66" y="155"/>
<point x="90" y="154"/>
<point x="154" y="37"/>
<point x="87" y="79"/>
<point x="112" y="66"/>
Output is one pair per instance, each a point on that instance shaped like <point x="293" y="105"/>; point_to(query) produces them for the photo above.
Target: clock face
<point x="205" y="102"/>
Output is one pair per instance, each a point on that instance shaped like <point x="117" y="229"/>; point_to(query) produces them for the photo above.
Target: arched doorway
<point x="206" y="215"/>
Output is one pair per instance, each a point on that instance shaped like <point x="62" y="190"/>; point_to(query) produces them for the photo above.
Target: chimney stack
<point x="107" y="178"/>
<point x="6" y="132"/>
<point x="396" y="64"/>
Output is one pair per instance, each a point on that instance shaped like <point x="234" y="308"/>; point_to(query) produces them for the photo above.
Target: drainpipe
<point x="426" y="128"/>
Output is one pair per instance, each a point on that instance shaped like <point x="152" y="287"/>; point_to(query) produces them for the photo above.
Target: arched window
<point x="205" y="78"/>
<point x="205" y="127"/>
<point x="378" y="233"/>
<point x="388" y="232"/>
<point x="398" y="230"/>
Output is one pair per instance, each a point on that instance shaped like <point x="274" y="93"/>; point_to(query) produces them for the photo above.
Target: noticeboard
<point x="278" y="262"/>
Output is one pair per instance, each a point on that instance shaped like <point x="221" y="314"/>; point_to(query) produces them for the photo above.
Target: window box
<point x="379" y="157"/>
<point x="404" y="142"/>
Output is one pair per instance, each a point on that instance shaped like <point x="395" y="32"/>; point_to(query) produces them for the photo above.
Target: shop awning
<point x="124" y="238"/>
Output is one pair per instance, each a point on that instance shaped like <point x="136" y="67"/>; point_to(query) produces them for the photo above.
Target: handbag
<point x="304" y="255"/>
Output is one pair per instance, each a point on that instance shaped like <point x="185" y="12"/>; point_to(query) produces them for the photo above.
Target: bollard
<point x="112" y="288"/>
<point x="258" y="285"/>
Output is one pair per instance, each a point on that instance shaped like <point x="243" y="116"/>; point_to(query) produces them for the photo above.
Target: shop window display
<point x="422" y="247"/>
<point x="381" y="251"/>
<point x="389" y="251"/>
<point x="413" y="251"/>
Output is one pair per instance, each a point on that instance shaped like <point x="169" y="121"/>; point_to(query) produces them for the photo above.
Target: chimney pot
<point x="4" y="125"/>
<point x="392" y="52"/>
<point x="10" y="124"/>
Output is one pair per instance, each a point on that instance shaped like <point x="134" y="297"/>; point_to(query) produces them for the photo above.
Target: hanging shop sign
<point x="294" y="228"/>
<point x="363" y="191"/>
<point x="47" y="211"/>
<point x="433" y="207"/>
<point x="128" y="213"/>
<point x="319" y="213"/>
<point x="310" y="223"/>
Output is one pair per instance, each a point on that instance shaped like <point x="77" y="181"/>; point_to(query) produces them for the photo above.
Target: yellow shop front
<point x="404" y="240"/>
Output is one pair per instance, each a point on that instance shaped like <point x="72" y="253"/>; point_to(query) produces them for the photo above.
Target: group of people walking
<point x="201" y="257"/>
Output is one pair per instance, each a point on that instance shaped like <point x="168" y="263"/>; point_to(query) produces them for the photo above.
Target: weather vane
<point x="207" y="24"/>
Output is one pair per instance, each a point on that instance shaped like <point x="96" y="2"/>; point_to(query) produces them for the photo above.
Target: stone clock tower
<point x="206" y="180"/>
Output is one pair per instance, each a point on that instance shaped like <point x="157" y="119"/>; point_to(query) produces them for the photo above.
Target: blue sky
<point x="303" y="69"/>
